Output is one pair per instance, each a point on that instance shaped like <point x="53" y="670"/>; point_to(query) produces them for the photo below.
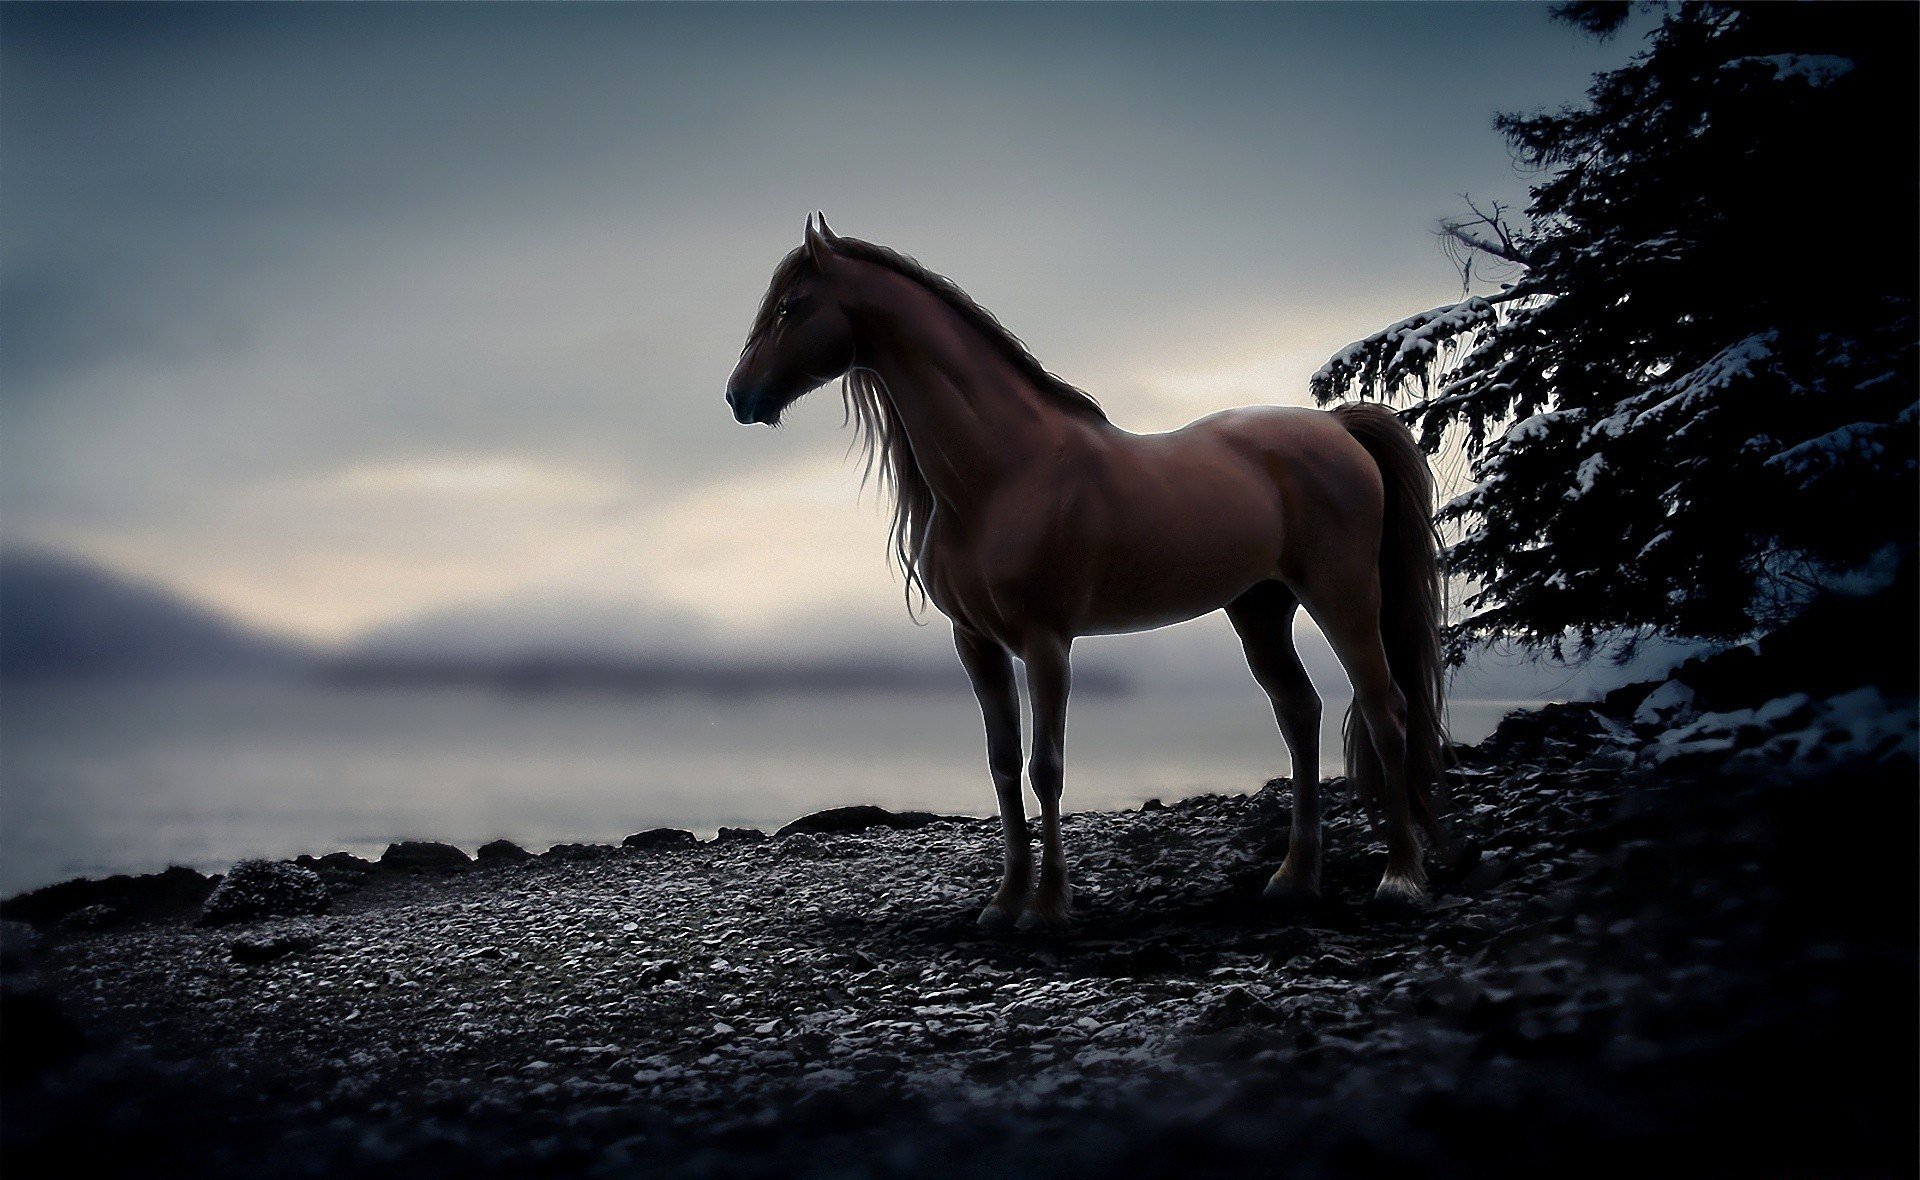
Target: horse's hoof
<point x="1289" y="900"/>
<point x="997" y="917"/>
<point x="1047" y="914"/>
<point x="1033" y="919"/>
<point x="1398" y="897"/>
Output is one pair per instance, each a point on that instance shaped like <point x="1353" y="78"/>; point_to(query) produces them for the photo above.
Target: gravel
<point x="1646" y="963"/>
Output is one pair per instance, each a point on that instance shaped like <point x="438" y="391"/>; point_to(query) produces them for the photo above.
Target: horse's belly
<point x="1118" y="621"/>
<point x="1179" y="580"/>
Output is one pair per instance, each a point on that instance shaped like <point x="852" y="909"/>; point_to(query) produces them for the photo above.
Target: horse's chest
<point x="993" y="581"/>
<point x="958" y="586"/>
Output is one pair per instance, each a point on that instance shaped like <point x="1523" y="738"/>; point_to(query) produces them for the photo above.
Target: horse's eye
<point x="780" y="311"/>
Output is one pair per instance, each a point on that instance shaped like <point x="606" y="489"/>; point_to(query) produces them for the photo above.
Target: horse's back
<point x="1328" y="487"/>
<point x="1167" y="526"/>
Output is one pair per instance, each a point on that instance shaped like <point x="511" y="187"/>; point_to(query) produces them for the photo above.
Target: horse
<point x="1029" y="519"/>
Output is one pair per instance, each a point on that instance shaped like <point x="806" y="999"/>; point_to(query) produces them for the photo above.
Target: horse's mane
<point x="878" y="430"/>
<point x="978" y="317"/>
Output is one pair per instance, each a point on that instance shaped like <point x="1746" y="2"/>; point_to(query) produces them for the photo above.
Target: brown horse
<point x="1029" y="519"/>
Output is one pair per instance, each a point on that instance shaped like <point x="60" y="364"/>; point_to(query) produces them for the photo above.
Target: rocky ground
<point x="1690" y="948"/>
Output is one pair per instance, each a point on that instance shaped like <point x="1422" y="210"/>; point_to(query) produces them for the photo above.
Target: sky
<point x="344" y="317"/>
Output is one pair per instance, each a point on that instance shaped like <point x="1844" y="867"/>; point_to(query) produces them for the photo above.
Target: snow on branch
<point x="1671" y="404"/>
<point x="1815" y="69"/>
<point x="1844" y="448"/>
<point x="1401" y="352"/>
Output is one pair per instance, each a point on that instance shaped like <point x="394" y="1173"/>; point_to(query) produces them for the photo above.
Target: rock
<point x="739" y="836"/>
<point x="413" y="856"/>
<point x="335" y="862"/>
<point x="255" y="889"/>
<point x="1549" y="736"/>
<point x="19" y="943"/>
<point x="264" y="948"/>
<point x="1229" y="1007"/>
<point x="660" y="838"/>
<point x="860" y="819"/>
<point x="580" y="851"/>
<point x="1669" y="705"/>
<point x="148" y="897"/>
<point x="501" y="852"/>
<point x="658" y="971"/>
<point x="91" y="917"/>
<point x="1485" y="875"/>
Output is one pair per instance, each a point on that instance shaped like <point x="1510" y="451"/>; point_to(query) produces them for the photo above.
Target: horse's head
<point x="801" y="339"/>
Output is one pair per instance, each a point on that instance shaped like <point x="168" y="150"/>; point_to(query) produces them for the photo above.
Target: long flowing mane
<point x="878" y="432"/>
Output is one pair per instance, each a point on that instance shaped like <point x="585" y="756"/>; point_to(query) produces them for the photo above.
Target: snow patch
<point x="1815" y="69"/>
<point x="1667" y="705"/>
<point x="1409" y="342"/>
<point x="1795" y="736"/>
<point x="1856" y="442"/>
<point x="1590" y="469"/>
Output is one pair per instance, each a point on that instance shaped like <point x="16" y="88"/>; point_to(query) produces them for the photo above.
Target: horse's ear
<point x="819" y="240"/>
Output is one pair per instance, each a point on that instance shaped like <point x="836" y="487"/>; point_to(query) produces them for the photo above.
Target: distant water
<point x="98" y="779"/>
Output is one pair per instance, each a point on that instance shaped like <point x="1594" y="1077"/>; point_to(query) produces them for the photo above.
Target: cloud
<point x="492" y="479"/>
<point x="341" y="313"/>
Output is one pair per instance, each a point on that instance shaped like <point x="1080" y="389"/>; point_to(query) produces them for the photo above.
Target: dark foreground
<point x="1690" y="949"/>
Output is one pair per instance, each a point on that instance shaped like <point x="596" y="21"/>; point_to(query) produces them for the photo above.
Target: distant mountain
<point x="61" y="617"/>
<point x="534" y="642"/>
<point x="545" y="640"/>
<point x="535" y="626"/>
<point x="641" y="674"/>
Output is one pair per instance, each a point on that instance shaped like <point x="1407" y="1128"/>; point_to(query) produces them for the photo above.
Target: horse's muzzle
<point x="751" y="407"/>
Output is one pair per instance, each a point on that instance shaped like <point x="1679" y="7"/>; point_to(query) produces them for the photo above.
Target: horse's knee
<point x="1003" y="762"/>
<point x="1301" y="714"/>
<point x="1047" y="770"/>
<point x="1006" y="789"/>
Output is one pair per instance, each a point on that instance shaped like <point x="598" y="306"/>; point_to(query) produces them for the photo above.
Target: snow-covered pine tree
<point x="1693" y="402"/>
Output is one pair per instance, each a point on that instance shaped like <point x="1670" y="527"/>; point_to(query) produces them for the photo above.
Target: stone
<point x="501" y="852"/>
<point x="259" y="948"/>
<point x="859" y="819"/>
<point x="98" y="916"/>
<point x="580" y="851"/>
<point x="149" y="896"/>
<point x="19" y="943"/>
<point x="335" y="862"/>
<point x="1667" y="706"/>
<point x="660" y="838"/>
<point x="255" y="889"/>
<point x="413" y="856"/>
<point x="739" y="836"/>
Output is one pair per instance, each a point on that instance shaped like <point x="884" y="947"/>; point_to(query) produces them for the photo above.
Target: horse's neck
<point x="970" y="415"/>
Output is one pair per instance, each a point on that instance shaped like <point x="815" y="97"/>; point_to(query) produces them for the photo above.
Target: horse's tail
<point x="1412" y="603"/>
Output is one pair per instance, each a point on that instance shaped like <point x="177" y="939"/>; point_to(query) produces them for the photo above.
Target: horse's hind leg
<point x="1263" y="618"/>
<point x="990" y="668"/>
<point x="1348" y="610"/>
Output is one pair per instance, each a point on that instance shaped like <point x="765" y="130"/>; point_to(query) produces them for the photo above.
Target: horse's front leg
<point x="1048" y="685"/>
<point x="990" y="668"/>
